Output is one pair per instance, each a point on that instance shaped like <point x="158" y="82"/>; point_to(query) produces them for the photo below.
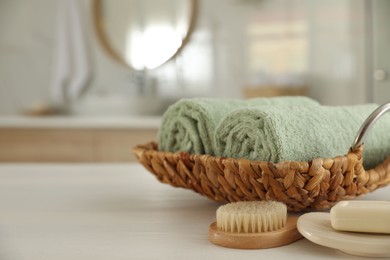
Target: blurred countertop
<point x="122" y="122"/>
<point x="116" y="211"/>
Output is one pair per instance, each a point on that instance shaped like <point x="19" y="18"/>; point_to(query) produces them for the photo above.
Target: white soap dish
<point x="317" y="228"/>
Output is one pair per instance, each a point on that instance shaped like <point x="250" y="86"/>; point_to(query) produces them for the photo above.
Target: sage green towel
<point x="300" y="133"/>
<point x="189" y="124"/>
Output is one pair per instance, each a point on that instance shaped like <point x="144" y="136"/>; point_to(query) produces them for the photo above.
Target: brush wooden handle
<point x="283" y="236"/>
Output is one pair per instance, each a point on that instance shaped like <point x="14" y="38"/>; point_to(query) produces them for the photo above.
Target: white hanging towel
<point x="72" y="69"/>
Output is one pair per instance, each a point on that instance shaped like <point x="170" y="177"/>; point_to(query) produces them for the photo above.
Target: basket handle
<point x="370" y="121"/>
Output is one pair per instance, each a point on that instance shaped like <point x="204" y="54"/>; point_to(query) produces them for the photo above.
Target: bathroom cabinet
<point x="73" y="139"/>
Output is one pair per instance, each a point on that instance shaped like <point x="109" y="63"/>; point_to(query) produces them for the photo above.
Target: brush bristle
<point x="252" y="216"/>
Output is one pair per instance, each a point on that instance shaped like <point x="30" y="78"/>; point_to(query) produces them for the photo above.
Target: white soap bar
<point x="361" y="216"/>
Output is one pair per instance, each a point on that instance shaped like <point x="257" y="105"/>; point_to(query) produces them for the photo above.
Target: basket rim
<point x="152" y="147"/>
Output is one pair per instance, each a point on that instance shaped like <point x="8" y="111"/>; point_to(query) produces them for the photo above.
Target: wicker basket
<point x="316" y="184"/>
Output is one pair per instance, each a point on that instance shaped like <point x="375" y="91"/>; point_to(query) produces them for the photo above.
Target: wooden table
<point x="115" y="211"/>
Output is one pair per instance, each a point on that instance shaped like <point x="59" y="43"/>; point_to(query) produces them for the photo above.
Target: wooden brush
<point x="253" y="225"/>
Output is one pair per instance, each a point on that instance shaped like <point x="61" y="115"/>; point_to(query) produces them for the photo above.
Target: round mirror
<point x="143" y="34"/>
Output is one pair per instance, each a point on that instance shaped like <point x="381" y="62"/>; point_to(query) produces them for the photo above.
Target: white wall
<point x="338" y="63"/>
<point x="215" y="63"/>
<point x="25" y="52"/>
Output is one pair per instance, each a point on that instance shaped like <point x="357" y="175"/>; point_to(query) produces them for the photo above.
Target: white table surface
<point x="115" y="211"/>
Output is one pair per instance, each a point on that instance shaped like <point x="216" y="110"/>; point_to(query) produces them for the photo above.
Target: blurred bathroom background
<point x="132" y="59"/>
<point x="87" y="80"/>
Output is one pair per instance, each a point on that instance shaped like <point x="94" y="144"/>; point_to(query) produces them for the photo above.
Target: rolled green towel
<point x="189" y="124"/>
<point x="300" y="133"/>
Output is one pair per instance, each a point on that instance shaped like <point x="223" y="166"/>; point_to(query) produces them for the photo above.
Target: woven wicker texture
<point x="313" y="185"/>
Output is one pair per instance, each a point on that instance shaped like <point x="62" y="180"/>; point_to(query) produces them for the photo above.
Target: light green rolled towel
<point x="300" y="133"/>
<point x="189" y="124"/>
